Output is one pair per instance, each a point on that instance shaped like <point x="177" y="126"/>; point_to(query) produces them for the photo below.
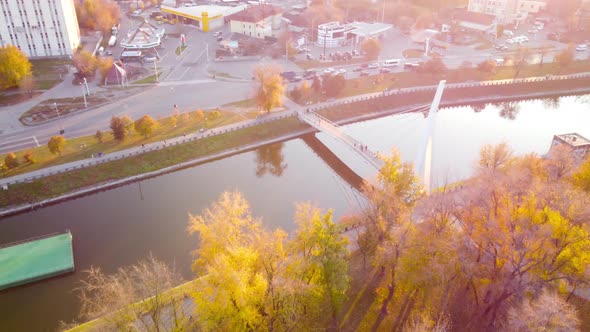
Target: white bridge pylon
<point x="322" y="124"/>
<point x="424" y="160"/>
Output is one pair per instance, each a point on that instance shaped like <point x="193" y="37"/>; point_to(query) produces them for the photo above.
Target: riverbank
<point x="53" y="189"/>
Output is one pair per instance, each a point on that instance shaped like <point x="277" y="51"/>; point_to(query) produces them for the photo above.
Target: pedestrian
<point x="143" y="146"/>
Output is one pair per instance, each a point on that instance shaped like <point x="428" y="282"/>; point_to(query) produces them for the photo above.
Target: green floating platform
<point x="35" y="259"/>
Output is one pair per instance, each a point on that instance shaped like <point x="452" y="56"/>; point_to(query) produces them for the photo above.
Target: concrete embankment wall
<point x="369" y="107"/>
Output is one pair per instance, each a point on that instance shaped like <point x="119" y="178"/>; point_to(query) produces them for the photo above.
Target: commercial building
<point x="479" y="22"/>
<point x="205" y="17"/>
<point x="40" y="28"/>
<point x="258" y="21"/>
<point x="506" y="11"/>
<point x="334" y="34"/>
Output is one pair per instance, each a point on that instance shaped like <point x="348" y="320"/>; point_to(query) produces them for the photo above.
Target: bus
<point x="129" y="56"/>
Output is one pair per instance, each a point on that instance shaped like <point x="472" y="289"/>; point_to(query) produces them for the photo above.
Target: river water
<point x="121" y="226"/>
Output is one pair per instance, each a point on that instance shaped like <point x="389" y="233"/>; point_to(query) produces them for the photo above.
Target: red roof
<point x="474" y="17"/>
<point x="256" y="13"/>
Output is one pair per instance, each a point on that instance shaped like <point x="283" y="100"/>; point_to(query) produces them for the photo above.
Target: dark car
<point x="364" y="73"/>
<point x="357" y="69"/>
<point x="384" y="70"/>
<point x="288" y="75"/>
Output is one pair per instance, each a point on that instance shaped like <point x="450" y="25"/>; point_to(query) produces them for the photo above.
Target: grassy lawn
<point x="148" y="80"/>
<point x="180" y="49"/>
<point x="85" y="147"/>
<point x="49" y="72"/>
<point x="247" y="103"/>
<point x="412" y="53"/>
<point x="60" y="184"/>
<point x="310" y="64"/>
<point x="46" y="110"/>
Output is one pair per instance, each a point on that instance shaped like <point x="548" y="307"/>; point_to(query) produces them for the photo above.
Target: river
<point x="121" y="226"/>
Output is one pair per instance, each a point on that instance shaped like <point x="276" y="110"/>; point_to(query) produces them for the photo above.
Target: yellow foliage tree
<point x="270" y="88"/>
<point x="56" y="144"/>
<point x="14" y="66"/>
<point x="145" y="125"/>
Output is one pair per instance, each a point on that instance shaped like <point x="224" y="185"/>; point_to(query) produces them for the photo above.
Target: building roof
<point x="369" y="29"/>
<point x="196" y="12"/>
<point x="474" y="17"/>
<point x="256" y="13"/>
<point x="574" y="139"/>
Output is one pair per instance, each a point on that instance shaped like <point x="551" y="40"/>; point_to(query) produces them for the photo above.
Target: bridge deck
<point x="320" y="123"/>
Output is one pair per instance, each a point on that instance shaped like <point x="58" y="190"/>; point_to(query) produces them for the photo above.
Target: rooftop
<point x="256" y="13"/>
<point x="196" y="12"/>
<point x="35" y="259"/>
<point x="369" y="29"/>
<point x="574" y="139"/>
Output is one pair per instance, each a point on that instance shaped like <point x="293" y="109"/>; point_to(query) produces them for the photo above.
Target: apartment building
<point x="40" y="28"/>
<point x="506" y="11"/>
<point x="258" y="21"/>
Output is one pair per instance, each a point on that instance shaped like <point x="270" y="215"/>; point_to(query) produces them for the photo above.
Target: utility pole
<point x="61" y="128"/>
<point x="383" y="12"/>
<point x="325" y="38"/>
<point x="83" y="95"/>
<point x="87" y="88"/>
<point x="156" y="69"/>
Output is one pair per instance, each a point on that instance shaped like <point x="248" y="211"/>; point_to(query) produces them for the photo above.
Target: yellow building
<point x="205" y="18"/>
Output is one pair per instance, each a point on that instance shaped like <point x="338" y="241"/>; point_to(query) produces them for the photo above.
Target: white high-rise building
<point x="40" y="28"/>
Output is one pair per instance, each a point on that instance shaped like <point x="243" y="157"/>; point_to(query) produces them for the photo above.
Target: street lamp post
<point x="83" y="95"/>
<point x="87" y="88"/>
<point x="61" y="128"/>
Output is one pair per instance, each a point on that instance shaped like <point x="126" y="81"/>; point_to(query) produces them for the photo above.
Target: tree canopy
<point x="56" y="144"/>
<point x="270" y="88"/>
<point x="145" y="125"/>
<point x="372" y="48"/>
<point x="14" y="66"/>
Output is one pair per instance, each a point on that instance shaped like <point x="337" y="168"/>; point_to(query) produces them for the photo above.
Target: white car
<point x="533" y="31"/>
<point x="328" y="70"/>
<point x="582" y="47"/>
<point x="510" y="41"/>
<point x="373" y="65"/>
<point x="340" y="71"/>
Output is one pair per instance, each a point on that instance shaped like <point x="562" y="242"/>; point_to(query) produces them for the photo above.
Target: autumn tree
<point x="546" y="312"/>
<point x="56" y="144"/>
<point x="104" y="65"/>
<point x="118" y="128"/>
<point x="582" y="176"/>
<point x="434" y="66"/>
<point x="487" y="66"/>
<point x="85" y="62"/>
<point x="520" y="59"/>
<point x="149" y="281"/>
<point x="11" y="161"/>
<point x="372" y="48"/>
<point x="270" y="88"/>
<point x="565" y="57"/>
<point x="145" y="125"/>
<point x="14" y="66"/>
<point x="97" y="14"/>
<point x="99" y="136"/>
<point x="27" y="84"/>
<point x="28" y="157"/>
<point x="199" y="115"/>
<point x="321" y="257"/>
<point x="333" y="84"/>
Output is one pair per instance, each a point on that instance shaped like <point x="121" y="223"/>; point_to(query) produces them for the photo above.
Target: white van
<point x="508" y="33"/>
<point x="391" y="63"/>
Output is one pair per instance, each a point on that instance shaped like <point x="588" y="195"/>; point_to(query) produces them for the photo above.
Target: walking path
<point x="317" y="121"/>
<point x="294" y="109"/>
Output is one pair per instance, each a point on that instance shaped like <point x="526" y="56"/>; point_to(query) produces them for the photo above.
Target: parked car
<point x="358" y="69"/>
<point x="533" y="31"/>
<point x="501" y="47"/>
<point x="328" y="70"/>
<point x="510" y="41"/>
<point x="309" y="56"/>
<point x="411" y="65"/>
<point x="508" y="33"/>
<point x="384" y="70"/>
<point x="364" y="73"/>
<point x="373" y="65"/>
<point x="341" y="71"/>
<point x="109" y="52"/>
<point x="581" y="47"/>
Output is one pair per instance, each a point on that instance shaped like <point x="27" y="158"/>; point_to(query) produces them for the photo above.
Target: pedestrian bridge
<point x="424" y="158"/>
<point x="322" y="124"/>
